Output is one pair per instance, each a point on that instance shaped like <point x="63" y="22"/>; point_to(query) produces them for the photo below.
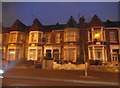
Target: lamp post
<point x="85" y="61"/>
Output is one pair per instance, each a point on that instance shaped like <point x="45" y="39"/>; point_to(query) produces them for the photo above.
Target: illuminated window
<point x="13" y="37"/>
<point x="115" y="54"/>
<point x="19" y="39"/>
<point x="11" y="54"/>
<point x="70" y="54"/>
<point x="98" y="54"/>
<point x="39" y="53"/>
<point x="32" y="54"/>
<point x="40" y="38"/>
<point x="48" y="39"/>
<point x="34" y="37"/>
<point x="91" y="53"/>
<point x="56" y="53"/>
<point x="70" y="36"/>
<point x="57" y="38"/>
<point x="112" y="36"/>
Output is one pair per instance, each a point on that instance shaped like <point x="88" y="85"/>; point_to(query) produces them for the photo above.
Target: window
<point x="70" y="54"/>
<point x="34" y="37"/>
<point x="48" y="53"/>
<point x="39" y="53"/>
<point x="32" y="54"/>
<point x="115" y="54"/>
<point x="19" y="39"/>
<point x="13" y="37"/>
<point x="91" y="53"/>
<point x="56" y="53"/>
<point x="48" y="39"/>
<point x="70" y="36"/>
<point x="112" y="36"/>
<point x="40" y="37"/>
<point x="11" y="54"/>
<point x="98" y="54"/>
<point x="57" y="38"/>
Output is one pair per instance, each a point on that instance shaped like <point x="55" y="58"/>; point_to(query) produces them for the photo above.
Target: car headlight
<point x="1" y="71"/>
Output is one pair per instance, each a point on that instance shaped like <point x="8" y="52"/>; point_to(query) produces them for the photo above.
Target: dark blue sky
<point x="53" y="12"/>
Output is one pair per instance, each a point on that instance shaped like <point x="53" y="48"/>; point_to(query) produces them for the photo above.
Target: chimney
<point x="81" y="22"/>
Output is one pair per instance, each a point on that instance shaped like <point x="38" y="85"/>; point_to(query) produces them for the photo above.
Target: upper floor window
<point x="33" y="37"/>
<point x="97" y="35"/>
<point x="13" y="37"/>
<point x="70" y="36"/>
<point x="40" y="38"/>
<point x="57" y="38"/>
<point x="19" y="39"/>
<point x="89" y="36"/>
<point x="48" y="39"/>
<point x="112" y="36"/>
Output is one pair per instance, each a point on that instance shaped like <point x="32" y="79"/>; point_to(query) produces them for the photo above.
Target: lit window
<point x="70" y="53"/>
<point x="13" y="37"/>
<point x="57" y="38"/>
<point x="70" y="36"/>
<point x="98" y="54"/>
<point x="19" y="39"/>
<point x="12" y="54"/>
<point x="115" y="54"/>
<point x="56" y="54"/>
<point x="91" y="53"/>
<point x="97" y="36"/>
<point x="48" y="39"/>
<point x="34" y="37"/>
<point x="40" y="38"/>
<point x="32" y="54"/>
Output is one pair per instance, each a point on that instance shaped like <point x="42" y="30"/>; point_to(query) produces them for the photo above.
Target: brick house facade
<point x="74" y="42"/>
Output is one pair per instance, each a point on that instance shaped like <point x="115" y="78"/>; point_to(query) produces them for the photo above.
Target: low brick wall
<point x="104" y="68"/>
<point x="98" y="68"/>
<point x="68" y="66"/>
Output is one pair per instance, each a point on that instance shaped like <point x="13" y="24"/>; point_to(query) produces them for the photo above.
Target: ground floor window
<point x="98" y="54"/>
<point x="115" y="53"/>
<point x="70" y="54"/>
<point x="56" y="54"/>
<point x="11" y="54"/>
<point x="32" y="54"/>
<point x="91" y="53"/>
<point x="48" y="53"/>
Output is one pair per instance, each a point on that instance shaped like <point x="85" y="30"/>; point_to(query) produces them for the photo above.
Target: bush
<point x="48" y="58"/>
<point x="38" y="66"/>
<point x="95" y="62"/>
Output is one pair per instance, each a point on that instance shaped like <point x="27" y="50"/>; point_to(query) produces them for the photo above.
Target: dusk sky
<point x="53" y="12"/>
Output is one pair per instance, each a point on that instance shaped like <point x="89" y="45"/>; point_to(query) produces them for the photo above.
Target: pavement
<point x="64" y="76"/>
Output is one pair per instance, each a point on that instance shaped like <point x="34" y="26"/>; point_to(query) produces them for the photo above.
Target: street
<point x="40" y="77"/>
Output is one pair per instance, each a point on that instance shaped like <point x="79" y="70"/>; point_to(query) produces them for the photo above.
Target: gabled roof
<point x="36" y="26"/>
<point x="17" y="26"/>
<point x="95" y="21"/>
<point x="71" y="23"/>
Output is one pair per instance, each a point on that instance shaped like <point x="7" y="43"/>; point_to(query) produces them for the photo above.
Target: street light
<point x="97" y="36"/>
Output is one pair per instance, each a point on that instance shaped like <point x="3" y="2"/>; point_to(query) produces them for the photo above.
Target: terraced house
<point x="72" y="42"/>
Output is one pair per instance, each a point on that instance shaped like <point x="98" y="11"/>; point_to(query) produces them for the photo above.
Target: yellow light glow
<point x="12" y="52"/>
<point x="97" y="35"/>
